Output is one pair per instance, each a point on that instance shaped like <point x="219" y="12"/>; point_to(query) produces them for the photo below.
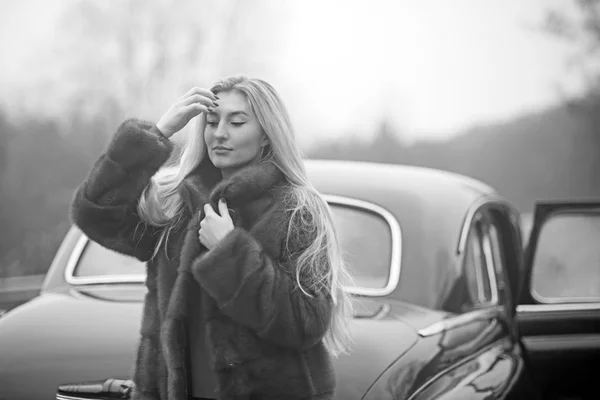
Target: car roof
<point x="429" y="183"/>
<point x="430" y="205"/>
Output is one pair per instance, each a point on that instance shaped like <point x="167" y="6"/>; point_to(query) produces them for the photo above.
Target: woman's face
<point x="233" y="135"/>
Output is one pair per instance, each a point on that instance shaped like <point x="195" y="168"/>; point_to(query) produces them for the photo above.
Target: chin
<point x="228" y="162"/>
<point x="222" y="163"/>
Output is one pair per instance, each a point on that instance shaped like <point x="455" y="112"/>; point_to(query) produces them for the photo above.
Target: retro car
<point x="448" y="304"/>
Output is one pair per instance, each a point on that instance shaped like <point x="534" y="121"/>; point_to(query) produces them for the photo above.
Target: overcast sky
<point x="433" y="67"/>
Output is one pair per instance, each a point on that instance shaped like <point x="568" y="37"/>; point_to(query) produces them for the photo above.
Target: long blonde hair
<point x="320" y="266"/>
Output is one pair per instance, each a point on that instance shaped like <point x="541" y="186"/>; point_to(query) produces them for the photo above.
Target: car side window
<point x="475" y="287"/>
<point x="366" y="241"/>
<point x="566" y="265"/>
<point x="494" y="230"/>
<point x="476" y="268"/>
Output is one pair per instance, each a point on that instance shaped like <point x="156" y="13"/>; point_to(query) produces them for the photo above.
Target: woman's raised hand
<point x="194" y="102"/>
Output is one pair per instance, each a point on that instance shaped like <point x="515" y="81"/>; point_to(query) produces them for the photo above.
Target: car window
<point x="366" y="242"/>
<point x="476" y="268"/>
<point x="498" y="258"/>
<point x="99" y="261"/>
<point x="365" y="237"/>
<point x="473" y="287"/>
<point x="567" y="259"/>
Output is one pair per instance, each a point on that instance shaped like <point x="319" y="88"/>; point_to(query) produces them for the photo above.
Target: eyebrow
<point x="240" y="112"/>
<point x="232" y="114"/>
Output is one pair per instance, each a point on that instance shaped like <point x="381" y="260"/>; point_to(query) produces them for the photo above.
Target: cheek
<point x="251" y="138"/>
<point x="207" y="134"/>
<point x="251" y="147"/>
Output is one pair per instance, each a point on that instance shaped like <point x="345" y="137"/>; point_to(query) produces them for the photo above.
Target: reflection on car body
<point x="437" y="260"/>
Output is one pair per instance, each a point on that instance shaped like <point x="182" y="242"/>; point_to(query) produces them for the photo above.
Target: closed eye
<point x="237" y="123"/>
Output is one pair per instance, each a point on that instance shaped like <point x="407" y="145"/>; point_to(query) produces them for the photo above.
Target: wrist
<point x="155" y="130"/>
<point x="162" y="130"/>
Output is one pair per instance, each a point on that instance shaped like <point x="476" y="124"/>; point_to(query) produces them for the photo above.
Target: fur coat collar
<point x="204" y="185"/>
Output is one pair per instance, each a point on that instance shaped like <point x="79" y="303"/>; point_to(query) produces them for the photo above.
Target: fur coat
<point x="264" y="335"/>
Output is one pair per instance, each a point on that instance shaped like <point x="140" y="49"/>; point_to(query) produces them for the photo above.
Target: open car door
<point x="559" y="311"/>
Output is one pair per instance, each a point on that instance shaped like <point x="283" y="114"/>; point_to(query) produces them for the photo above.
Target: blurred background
<point x="504" y="91"/>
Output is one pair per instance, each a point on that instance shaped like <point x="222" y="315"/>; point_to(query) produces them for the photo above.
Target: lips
<point x="222" y="148"/>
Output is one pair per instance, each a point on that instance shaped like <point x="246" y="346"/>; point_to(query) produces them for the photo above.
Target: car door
<point x="559" y="312"/>
<point x="488" y="363"/>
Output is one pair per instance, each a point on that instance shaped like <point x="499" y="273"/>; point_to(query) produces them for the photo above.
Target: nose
<point x="221" y="131"/>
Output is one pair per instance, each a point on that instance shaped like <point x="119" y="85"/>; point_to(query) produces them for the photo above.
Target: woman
<point x="244" y="274"/>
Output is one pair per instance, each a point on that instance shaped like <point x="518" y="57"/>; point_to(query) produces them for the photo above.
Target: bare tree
<point x="105" y="60"/>
<point x="581" y="28"/>
<point x="134" y="57"/>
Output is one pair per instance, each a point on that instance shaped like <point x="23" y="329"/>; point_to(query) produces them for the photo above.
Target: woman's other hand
<point x="194" y="102"/>
<point x="214" y="227"/>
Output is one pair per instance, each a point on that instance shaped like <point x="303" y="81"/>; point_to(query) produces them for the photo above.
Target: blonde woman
<point x="245" y="296"/>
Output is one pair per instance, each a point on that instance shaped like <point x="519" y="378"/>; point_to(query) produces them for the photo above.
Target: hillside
<point x="550" y="154"/>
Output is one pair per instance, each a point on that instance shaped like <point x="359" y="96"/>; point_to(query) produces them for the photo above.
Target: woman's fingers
<point x="200" y="91"/>
<point x="208" y="210"/>
<point x="197" y="98"/>
<point x="194" y="109"/>
<point x="223" y="210"/>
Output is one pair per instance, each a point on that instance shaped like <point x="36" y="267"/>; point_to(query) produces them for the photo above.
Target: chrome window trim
<point x="76" y="253"/>
<point x="551" y="308"/>
<point x="396" y="237"/>
<point x="461" y="319"/>
<point x="562" y="300"/>
<point x="64" y="397"/>
<point x="487" y="200"/>
<point x="392" y="284"/>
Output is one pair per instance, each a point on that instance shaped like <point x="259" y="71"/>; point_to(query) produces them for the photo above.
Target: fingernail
<point x="217" y="97"/>
<point x="216" y="104"/>
<point x="209" y="109"/>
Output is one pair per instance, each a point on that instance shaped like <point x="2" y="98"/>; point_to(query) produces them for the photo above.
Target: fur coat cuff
<point x="139" y="144"/>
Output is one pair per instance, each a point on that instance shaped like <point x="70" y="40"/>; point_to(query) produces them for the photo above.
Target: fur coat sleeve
<point x="105" y="205"/>
<point x="259" y="292"/>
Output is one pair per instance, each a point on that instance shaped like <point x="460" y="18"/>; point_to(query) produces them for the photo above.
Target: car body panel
<point x="63" y="337"/>
<point x="467" y="350"/>
<point x="376" y="345"/>
<point x="488" y="374"/>
<point x="66" y="319"/>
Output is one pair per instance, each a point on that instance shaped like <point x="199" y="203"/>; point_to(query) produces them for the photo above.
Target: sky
<point x="432" y="68"/>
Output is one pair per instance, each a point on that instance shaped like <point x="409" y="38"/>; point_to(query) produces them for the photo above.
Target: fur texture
<point x="263" y="334"/>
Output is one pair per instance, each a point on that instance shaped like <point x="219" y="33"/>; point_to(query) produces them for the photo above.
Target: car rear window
<point x="365" y="237"/>
<point x="98" y="261"/>
<point x="366" y="241"/>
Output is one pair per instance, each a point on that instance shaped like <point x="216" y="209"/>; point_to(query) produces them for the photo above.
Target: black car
<point x="449" y="306"/>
